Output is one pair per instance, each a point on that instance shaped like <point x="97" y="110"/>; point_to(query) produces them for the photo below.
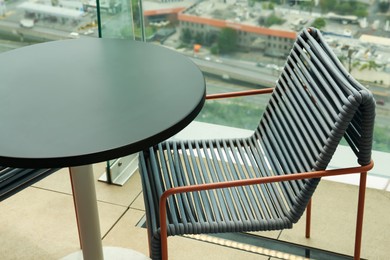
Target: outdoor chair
<point x="13" y="180"/>
<point x="265" y="181"/>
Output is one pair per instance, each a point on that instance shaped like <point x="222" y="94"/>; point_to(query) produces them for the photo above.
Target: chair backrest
<point x="314" y="104"/>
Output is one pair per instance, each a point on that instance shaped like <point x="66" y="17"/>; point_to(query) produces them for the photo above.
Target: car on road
<point x="27" y="23"/>
<point x="74" y="35"/>
<point x="273" y="67"/>
<point x="260" y="64"/>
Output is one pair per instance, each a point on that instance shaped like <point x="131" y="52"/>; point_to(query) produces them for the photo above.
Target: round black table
<point x="72" y="103"/>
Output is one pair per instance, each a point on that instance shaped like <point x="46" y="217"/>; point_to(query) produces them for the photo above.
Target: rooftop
<point x="157" y="7"/>
<point x="240" y="12"/>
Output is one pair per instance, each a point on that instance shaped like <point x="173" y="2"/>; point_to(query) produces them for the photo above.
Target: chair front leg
<point x="360" y="212"/>
<point x="308" y="219"/>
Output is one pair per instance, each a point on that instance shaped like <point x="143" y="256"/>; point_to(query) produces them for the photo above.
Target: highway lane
<point x="239" y="71"/>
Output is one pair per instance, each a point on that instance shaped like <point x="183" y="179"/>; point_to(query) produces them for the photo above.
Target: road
<point x="239" y="71"/>
<point x="269" y="76"/>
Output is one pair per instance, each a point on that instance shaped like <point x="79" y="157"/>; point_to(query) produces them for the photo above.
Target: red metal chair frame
<point x="303" y="175"/>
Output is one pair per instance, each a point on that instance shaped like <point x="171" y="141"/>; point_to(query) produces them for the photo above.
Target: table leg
<point x="84" y="193"/>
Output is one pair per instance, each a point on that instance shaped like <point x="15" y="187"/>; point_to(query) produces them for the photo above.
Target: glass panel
<point x="243" y="44"/>
<point x="120" y="19"/>
<point x="227" y="39"/>
<point x="28" y="22"/>
<point x="240" y="112"/>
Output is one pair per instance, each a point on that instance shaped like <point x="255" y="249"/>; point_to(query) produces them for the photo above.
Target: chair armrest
<point x="246" y="182"/>
<point x="266" y="179"/>
<point x="240" y="93"/>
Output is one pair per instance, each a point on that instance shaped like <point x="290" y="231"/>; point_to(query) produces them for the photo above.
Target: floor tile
<point x="334" y="220"/>
<point x="37" y="224"/>
<point x="138" y="203"/>
<point x="126" y="234"/>
<point x="120" y="195"/>
<point x="40" y="224"/>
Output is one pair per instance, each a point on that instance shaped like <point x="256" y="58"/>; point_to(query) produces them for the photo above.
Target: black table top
<point x="81" y="101"/>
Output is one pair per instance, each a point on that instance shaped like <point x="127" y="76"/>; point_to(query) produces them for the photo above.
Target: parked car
<point x="27" y="23"/>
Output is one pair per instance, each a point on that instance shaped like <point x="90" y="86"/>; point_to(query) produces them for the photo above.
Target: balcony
<point x="40" y="223"/>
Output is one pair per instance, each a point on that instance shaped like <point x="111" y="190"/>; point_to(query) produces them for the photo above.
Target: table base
<point x="84" y="195"/>
<point x="114" y="253"/>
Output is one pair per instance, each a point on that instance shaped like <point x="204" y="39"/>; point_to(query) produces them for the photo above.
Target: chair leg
<point x="360" y="212"/>
<point x="308" y="219"/>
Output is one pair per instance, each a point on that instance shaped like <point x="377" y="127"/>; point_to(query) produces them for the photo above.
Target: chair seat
<point x="271" y="206"/>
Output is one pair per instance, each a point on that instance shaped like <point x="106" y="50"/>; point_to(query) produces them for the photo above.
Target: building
<point x="165" y="12"/>
<point x="208" y="18"/>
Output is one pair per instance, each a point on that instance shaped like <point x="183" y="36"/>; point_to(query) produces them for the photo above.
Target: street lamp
<point x="350" y="52"/>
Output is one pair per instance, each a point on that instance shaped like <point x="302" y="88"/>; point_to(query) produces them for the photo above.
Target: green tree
<point x="307" y="5"/>
<point x="370" y="65"/>
<point x="319" y="23"/>
<point x="327" y="5"/>
<point x="227" y="40"/>
<point x="126" y="32"/>
<point x="355" y="64"/>
<point x="383" y="6"/>
<point x="214" y="49"/>
<point x="361" y="12"/>
<point x="344" y="8"/>
<point x="186" y="35"/>
<point x="135" y="12"/>
<point x="382" y="138"/>
<point x="210" y="38"/>
<point x="273" y="19"/>
<point x="199" y="38"/>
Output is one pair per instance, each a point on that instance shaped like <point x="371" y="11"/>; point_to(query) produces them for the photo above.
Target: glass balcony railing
<point x="237" y="44"/>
